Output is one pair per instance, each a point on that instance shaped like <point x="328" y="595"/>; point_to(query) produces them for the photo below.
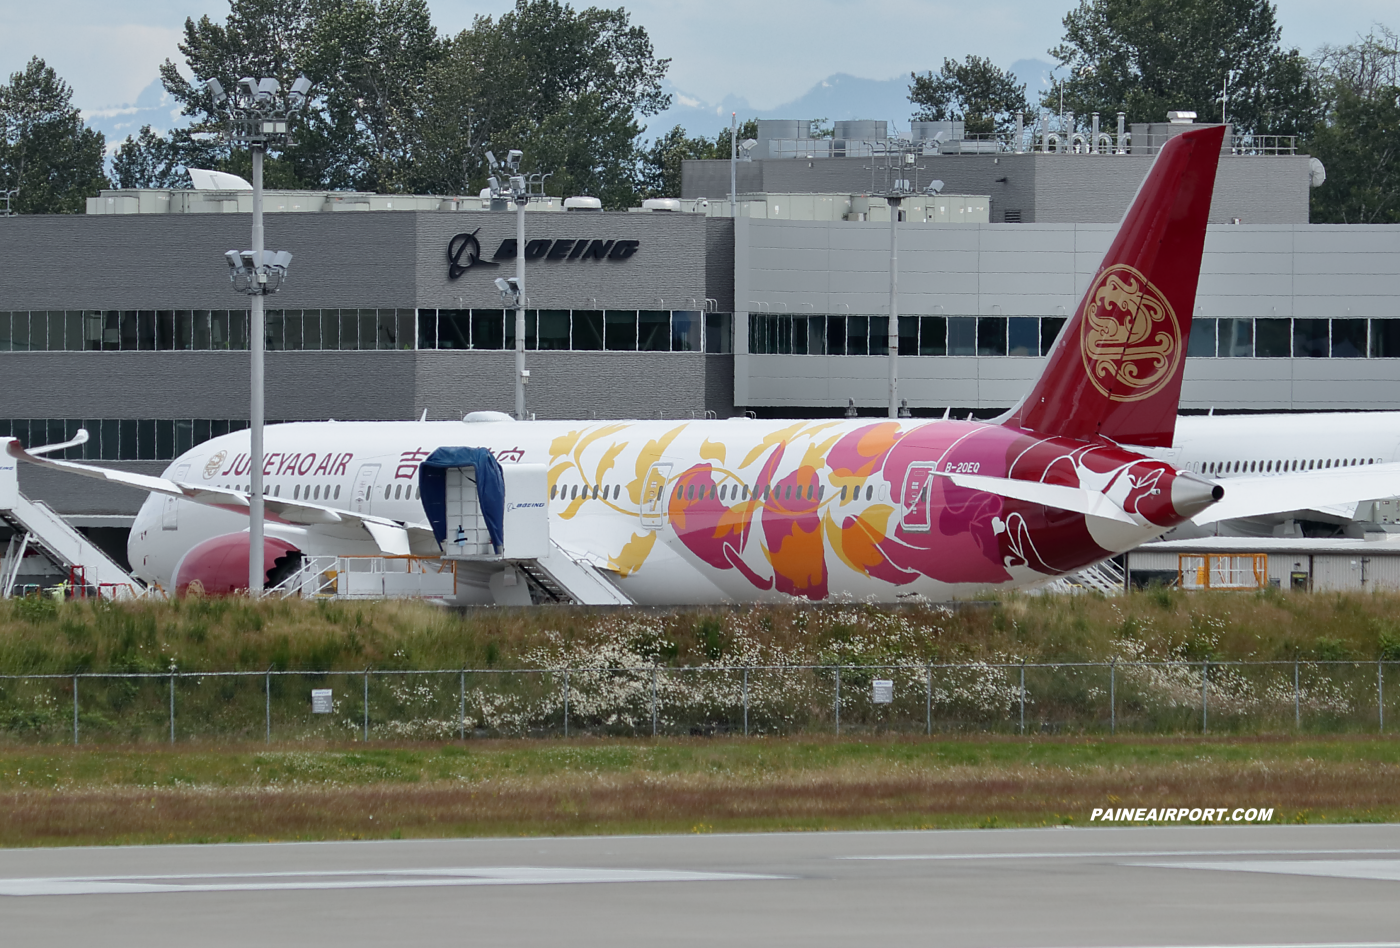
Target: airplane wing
<point x="393" y="537"/>
<point x="1088" y="502"/>
<point x="1260" y="495"/>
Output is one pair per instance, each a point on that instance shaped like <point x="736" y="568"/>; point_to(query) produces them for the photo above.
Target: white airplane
<point x="1280" y="467"/>
<point x="740" y="510"/>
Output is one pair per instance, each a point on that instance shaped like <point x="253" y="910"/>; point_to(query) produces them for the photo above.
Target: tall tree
<point x="45" y="151"/>
<point x="660" y="174"/>
<point x="1145" y="57"/>
<point x="985" y="97"/>
<point x="565" y="86"/>
<point x="1358" y="141"/>
<point x="367" y="60"/>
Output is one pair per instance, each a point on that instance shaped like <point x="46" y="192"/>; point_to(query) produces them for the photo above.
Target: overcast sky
<point x="767" y="51"/>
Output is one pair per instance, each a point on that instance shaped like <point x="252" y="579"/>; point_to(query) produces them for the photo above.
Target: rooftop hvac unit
<point x="869" y="130"/>
<point x="661" y="204"/>
<point x="582" y="204"/>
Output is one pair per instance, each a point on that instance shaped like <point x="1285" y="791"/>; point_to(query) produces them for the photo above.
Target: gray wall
<point x="300" y="385"/>
<point x="576" y="384"/>
<point x="176" y="261"/>
<point x="1047" y="189"/>
<point x="380" y="259"/>
<point x="1042" y="270"/>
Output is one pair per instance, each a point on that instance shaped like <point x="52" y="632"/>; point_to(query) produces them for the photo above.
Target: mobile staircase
<point x="36" y="526"/>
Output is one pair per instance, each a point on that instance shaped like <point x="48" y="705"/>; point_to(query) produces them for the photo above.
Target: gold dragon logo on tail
<point x="1130" y="337"/>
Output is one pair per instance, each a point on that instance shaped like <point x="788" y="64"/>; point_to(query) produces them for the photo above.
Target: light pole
<point x="892" y="339"/>
<point x="513" y="289"/>
<point x="258" y="115"/>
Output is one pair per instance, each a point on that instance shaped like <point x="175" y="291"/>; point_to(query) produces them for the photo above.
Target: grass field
<point x="494" y="788"/>
<point x="44" y="636"/>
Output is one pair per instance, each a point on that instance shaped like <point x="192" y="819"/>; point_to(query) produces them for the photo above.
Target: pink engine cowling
<point x="220" y="564"/>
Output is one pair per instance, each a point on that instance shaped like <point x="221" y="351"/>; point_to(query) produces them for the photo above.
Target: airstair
<point x="1106" y="578"/>
<point x="37" y="527"/>
<point x="492" y="527"/>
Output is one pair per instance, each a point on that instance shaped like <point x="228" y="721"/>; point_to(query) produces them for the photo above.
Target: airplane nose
<point x="1192" y="494"/>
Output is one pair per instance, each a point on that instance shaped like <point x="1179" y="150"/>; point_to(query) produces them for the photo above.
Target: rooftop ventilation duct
<point x="1181" y="118"/>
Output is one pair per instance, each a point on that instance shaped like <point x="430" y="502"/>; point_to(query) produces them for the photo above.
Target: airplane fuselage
<point x="714" y="511"/>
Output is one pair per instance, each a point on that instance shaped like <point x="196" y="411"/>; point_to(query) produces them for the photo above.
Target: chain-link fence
<point x="448" y="704"/>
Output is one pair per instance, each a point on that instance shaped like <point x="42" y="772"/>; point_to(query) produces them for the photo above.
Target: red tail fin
<point x="1115" y="372"/>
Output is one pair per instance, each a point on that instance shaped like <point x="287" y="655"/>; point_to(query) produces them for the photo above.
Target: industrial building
<point x="123" y="320"/>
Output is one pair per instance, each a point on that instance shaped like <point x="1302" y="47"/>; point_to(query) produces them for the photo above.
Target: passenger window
<point x="869" y="493"/>
<point x="573" y="492"/>
<point x="746" y="492"/>
<point x="337" y="492"/>
<point x="295" y="491"/>
<point x="553" y="491"/>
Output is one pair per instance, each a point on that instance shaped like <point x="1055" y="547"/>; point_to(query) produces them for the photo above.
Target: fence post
<point x="838" y="700"/>
<point x="366" y="705"/>
<point x="1023" y="696"/>
<point x="653" y="700"/>
<point x="746" y="701"/>
<point x="1205" y="677"/>
<point x="566" y="702"/>
<point x="1297" y="703"/>
<point x="1380" y="697"/>
<point x="1113" y="696"/>
<point x="462" y="705"/>
<point x="267" y="713"/>
<point x="172" y="707"/>
<point x="928" y="700"/>
<point x="75" y="710"/>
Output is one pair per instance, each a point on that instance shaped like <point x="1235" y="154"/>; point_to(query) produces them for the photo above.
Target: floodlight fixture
<point x="934" y="187"/>
<point x="249" y="86"/>
<point x="234" y="260"/>
<point x="502" y="285"/>
<point x="513" y="159"/>
<point x="216" y="89"/>
<point x="267" y="88"/>
<point x="491" y="161"/>
<point x="297" y="96"/>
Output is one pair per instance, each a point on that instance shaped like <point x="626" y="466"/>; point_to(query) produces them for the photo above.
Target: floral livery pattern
<point x="870" y="497"/>
<point x="814" y="497"/>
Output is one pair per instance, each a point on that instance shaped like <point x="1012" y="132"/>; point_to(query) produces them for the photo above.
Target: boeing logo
<point x="464" y="251"/>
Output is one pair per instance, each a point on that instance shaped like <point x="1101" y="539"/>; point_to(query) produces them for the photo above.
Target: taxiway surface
<point x="1049" y="888"/>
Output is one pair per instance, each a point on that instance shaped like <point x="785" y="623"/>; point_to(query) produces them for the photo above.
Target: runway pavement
<point x="1047" y="888"/>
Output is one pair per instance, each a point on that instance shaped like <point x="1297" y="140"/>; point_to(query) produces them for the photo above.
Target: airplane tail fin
<point x="1115" y="372"/>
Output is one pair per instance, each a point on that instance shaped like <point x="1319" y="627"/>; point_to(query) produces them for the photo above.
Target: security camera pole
<point x="258" y="114"/>
<point x="513" y="290"/>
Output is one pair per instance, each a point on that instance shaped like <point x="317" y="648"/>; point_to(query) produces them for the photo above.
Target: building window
<point x="620" y="330"/>
<point x="1235" y="338"/>
<point x="654" y="331"/>
<point x="1202" y="341"/>
<point x="962" y="335"/>
<point x="991" y="335"/>
<point x="588" y="330"/>
<point x="1022" y="336"/>
<point x="553" y="329"/>
<point x="719" y="332"/>
<point x="1310" y="339"/>
<point x="933" y="335"/>
<point x="1273" y="338"/>
<point x="1385" y="338"/>
<point x="1349" y="339"/>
